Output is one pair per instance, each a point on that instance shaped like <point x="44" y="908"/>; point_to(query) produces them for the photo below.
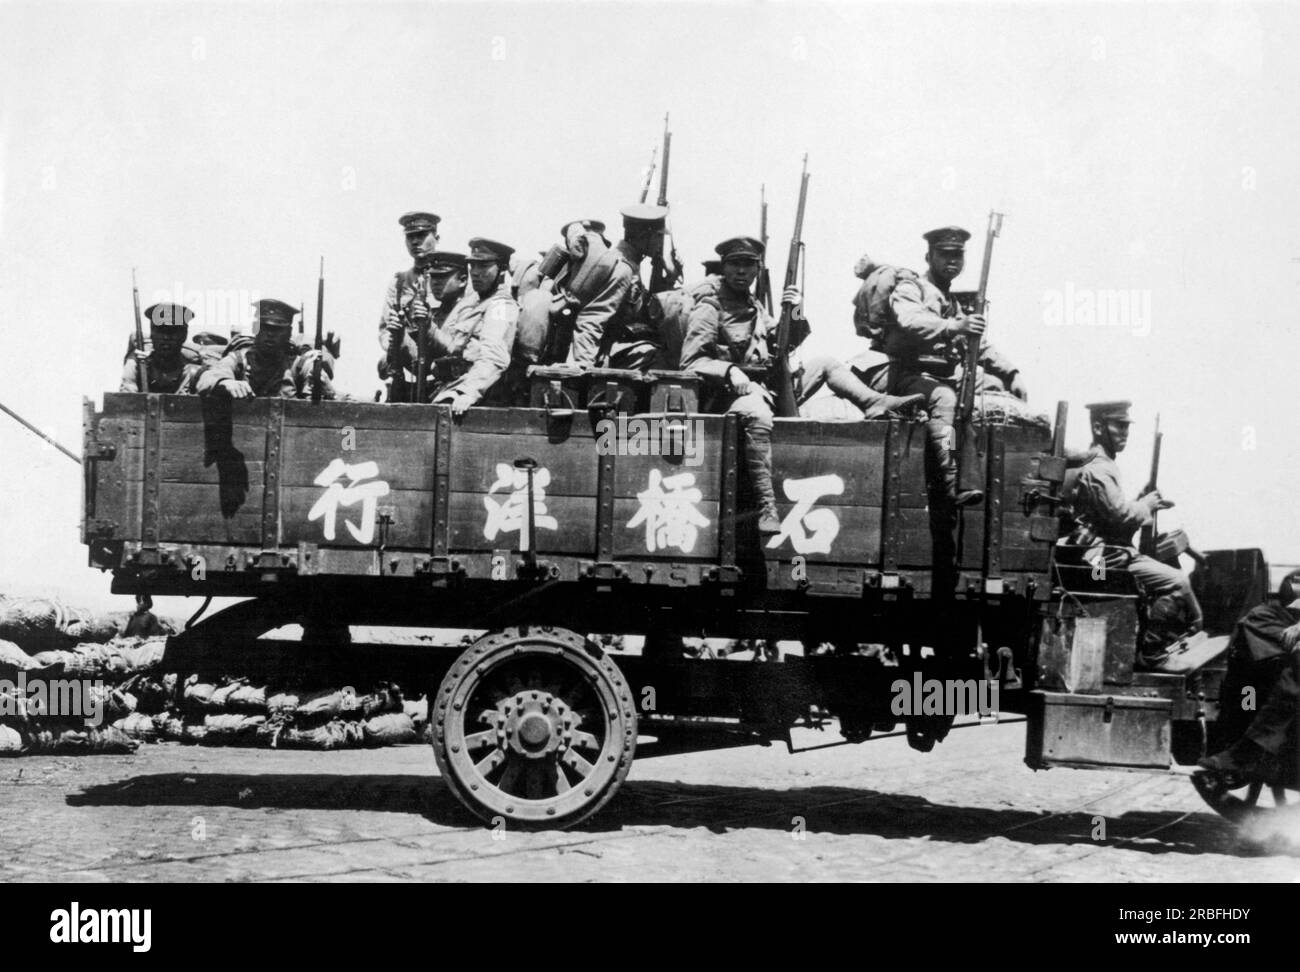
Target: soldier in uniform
<point x="612" y="327"/>
<point x="269" y="365"/>
<point x="408" y="290"/>
<point x="422" y="299"/>
<point x="925" y="342"/>
<point x="471" y="352"/>
<point x="173" y="366"/>
<point x="1107" y="521"/>
<point x="1263" y="655"/>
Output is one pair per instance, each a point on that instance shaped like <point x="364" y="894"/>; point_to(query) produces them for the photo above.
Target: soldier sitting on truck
<point x="269" y="365"/>
<point x="470" y="352"/>
<point x="612" y="327"/>
<point x="1106" y="522"/>
<point x="173" y="366"/>
<point x="420" y="302"/>
<point x="1263" y="656"/>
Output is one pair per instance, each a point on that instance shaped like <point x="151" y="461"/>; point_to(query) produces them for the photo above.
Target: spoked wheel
<point x="534" y="725"/>
<point x="1237" y="799"/>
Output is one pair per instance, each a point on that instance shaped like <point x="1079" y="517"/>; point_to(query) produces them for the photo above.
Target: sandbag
<point x="11" y="656"/>
<point x="328" y="704"/>
<point x="33" y="623"/>
<point x="386" y="698"/>
<point x="230" y="728"/>
<point x="247" y="698"/>
<point x="283" y="703"/>
<point x="390" y="730"/>
<point x="335" y="734"/>
<point x="198" y="695"/>
<point x="139" y="726"/>
<point x="169" y="726"/>
<point x="11" y="740"/>
<point x="105" y="741"/>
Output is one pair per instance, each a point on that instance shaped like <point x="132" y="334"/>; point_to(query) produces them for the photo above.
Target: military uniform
<point x="612" y="326"/>
<point x="1106" y="522"/>
<point x="412" y="301"/>
<point x="470" y="352"/>
<point x="178" y="375"/>
<point x="270" y="373"/>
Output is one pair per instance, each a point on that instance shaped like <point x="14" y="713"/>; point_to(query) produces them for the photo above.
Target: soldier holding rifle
<point x="171" y="368"/>
<point x="269" y="365"/>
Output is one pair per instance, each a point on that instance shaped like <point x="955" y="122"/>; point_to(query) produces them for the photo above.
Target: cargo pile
<point x="70" y="684"/>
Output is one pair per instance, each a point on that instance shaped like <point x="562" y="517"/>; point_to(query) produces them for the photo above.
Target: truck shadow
<point x="719" y="809"/>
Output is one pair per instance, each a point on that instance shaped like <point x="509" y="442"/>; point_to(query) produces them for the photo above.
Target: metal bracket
<point x="1051" y="468"/>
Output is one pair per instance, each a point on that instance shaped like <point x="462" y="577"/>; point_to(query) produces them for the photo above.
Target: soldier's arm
<point x="594" y="316"/>
<point x="912" y="316"/>
<point x="700" y="351"/>
<point x="496" y="339"/>
<point x="391" y="314"/>
<point x="997" y="364"/>
<point x="1111" y="512"/>
<point x="227" y="369"/>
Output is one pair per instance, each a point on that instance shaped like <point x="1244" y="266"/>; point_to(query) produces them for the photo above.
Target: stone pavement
<point x="969" y="811"/>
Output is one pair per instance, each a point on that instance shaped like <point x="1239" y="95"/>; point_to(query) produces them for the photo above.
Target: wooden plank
<point x="853" y="533"/>
<point x="632" y="474"/>
<point x="192" y="513"/>
<point x="574" y="530"/>
<point x="411" y="511"/>
<point x="477" y="461"/>
<point x="404" y="458"/>
<point x="655" y="538"/>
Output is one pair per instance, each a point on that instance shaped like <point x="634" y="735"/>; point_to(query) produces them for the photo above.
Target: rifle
<point x="662" y="277"/>
<point x="649" y="174"/>
<point x="35" y="431"/>
<point x="421" y="336"/>
<point x="786" y="406"/>
<point x="143" y="369"/>
<point x="968" y="477"/>
<point x="320" y="336"/>
<point x="1147" y="542"/>
<point x="764" y="290"/>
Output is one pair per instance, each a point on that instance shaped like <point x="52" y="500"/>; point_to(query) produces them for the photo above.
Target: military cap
<point x="947" y="238"/>
<point x="1288" y="592"/>
<point x="594" y="225"/>
<point x="1116" y="411"/>
<point x="420" y="222"/>
<point x="644" y="214"/>
<point x="275" y="313"/>
<point x="739" y="248"/>
<point x="483" y="250"/>
<point x="444" y="262"/>
<point x="169" y="315"/>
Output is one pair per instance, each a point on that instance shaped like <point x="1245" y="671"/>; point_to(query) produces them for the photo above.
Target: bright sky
<point x="1139" y="150"/>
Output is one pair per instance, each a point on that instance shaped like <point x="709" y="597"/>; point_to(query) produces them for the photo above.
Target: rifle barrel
<point x="37" y="432"/>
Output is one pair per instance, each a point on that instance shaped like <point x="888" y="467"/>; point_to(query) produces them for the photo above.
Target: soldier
<point x="612" y="327"/>
<point x="268" y="365"/>
<point x="924" y="342"/>
<point x="173" y="366"/>
<point x="470" y="352"/>
<point x="422" y="299"/>
<point x="1106" y="524"/>
<point x="729" y="338"/>
<point x="407" y="289"/>
<point x="1264" y="653"/>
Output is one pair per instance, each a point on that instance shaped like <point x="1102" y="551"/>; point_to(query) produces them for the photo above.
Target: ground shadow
<point x="822" y="809"/>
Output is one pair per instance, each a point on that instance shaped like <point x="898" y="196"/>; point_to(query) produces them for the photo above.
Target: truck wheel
<point x="534" y="727"/>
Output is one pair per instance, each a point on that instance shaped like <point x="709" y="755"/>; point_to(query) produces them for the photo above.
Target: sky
<point x="1143" y="155"/>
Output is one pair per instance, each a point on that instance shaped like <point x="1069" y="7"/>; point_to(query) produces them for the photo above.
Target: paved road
<point x="969" y="811"/>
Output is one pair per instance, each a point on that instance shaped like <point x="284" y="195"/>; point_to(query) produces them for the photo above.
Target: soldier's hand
<point x="142" y="356"/>
<point x="1291" y="637"/>
<point x="1017" y="388"/>
<point x="971" y="324"/>
<point x="460" y="405"/>
<point x="333" y="344"/>
<point x="791" y="296"/>
<point x="1157" y="502"/>
<point x="236" y="389"/>
<point x="740" y="383"/>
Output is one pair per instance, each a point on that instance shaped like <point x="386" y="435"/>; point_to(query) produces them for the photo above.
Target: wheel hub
<point x="534" y="725"/>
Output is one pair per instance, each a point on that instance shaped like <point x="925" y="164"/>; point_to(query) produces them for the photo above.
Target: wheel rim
<point x="534" y="725"/>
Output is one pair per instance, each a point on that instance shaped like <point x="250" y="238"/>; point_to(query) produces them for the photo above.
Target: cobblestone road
<point x="969" y="811"/>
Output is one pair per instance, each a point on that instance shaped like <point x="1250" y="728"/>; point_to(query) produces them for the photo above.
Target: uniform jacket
<point x="726" y="329"/>
<point x="617" y="312"/>
<point x="288" y="376"/>
<point x="920" y="334"/>
<point x="1259" y="634"/>
<point x="480" y="331"/>
<point x="1100" y="504"/>
<point x="180" y="379"/>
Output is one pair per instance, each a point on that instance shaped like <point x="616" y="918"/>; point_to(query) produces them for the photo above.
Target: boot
<point x="843" y="382"/>
<point x="758" y="462"/>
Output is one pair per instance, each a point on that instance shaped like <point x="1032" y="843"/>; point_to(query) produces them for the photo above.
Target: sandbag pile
<point x="39" y="624"/>
<point x="237" y="713"/>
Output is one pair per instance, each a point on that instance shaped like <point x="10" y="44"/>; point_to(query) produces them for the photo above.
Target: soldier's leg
<point x="839" y="378"/>
<point x="1270" y="730"/>
<point x="1171" y="607"/>
<point x="633" y="355"/>
<point x="756" y="423"/>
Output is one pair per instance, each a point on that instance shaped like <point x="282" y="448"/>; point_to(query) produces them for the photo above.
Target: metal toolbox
<point x="1123" y="731"/>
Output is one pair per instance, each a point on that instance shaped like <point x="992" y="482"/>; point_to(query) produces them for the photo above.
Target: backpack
<point x="871" y="310"/>
<point x="670" y="313"/>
